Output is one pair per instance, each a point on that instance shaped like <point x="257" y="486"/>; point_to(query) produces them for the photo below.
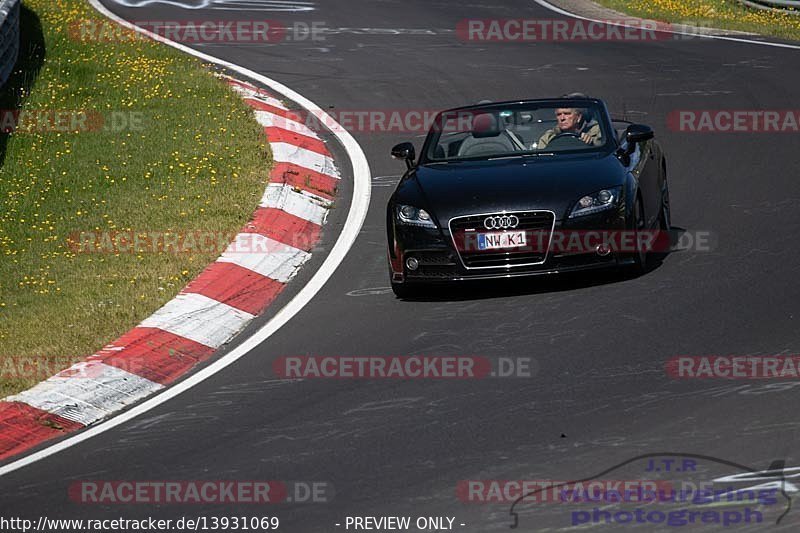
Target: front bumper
<point x="439" y="260"/>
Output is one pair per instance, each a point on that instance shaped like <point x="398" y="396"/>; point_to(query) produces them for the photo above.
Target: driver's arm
<point x="593" y="135"/>
<point x="545" y="139"/>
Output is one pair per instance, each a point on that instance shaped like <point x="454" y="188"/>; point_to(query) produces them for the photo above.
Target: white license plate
<point x="504" y="239"/>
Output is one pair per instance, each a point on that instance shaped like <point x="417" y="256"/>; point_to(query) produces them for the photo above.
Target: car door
<point x="649" y="182"/>
<point x="644" y="168"/>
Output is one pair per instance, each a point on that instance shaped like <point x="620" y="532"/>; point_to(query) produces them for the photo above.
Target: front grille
<point x="538" y="228"/>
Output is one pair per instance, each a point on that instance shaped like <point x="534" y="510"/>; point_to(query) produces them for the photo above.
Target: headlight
<point x="413" y="216"/>
<point x="599" y="201"/>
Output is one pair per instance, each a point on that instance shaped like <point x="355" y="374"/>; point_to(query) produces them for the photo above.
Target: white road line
<point x="271" y="120"/>
<point x="300" y="204"/>
<point x="551" y="7"/>
<point x="347" y="237"/>
<point x="265" y="256"/>
<point x="87" y="392"/>
<point x="199" y="318"/>
<point x="289" y="153"/>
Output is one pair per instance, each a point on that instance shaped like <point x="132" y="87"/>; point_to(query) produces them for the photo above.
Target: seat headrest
<point x="485" y="125"/>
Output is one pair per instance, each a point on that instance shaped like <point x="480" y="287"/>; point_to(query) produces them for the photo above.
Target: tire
<point x="665" y="217"/>
<point x="640" y="259"/>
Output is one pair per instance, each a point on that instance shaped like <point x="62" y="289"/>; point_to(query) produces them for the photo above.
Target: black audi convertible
<point x="526" y="188"/>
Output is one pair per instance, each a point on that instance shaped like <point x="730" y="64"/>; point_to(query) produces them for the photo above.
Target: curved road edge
<point x="555" y="7"/>
<point x="272" y="199"/>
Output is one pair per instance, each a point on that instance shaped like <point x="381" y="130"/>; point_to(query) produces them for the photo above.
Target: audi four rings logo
<point x="501" y="222"/>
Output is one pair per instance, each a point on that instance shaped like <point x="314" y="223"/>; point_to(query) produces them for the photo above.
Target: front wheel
<point x="639" y="265"/>
<point x="664" y="240"/>
<point x="665" y="217"/>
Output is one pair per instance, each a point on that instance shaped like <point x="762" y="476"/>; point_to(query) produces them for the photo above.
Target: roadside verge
<point x="724" y="19"/>
<point x="218" y="304"/>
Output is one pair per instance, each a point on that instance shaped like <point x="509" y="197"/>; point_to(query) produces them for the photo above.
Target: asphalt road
<point x="599" y="395"/>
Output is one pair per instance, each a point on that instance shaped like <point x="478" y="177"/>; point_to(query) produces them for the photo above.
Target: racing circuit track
<point x="599" y="396"/>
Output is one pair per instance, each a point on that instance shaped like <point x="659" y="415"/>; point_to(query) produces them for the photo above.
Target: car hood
<point x="552" y="183"/>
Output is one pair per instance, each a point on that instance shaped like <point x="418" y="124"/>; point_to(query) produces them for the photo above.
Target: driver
<point x="570" y="120"/>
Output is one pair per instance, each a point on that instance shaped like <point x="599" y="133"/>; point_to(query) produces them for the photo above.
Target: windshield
<point x="517" y="130"/>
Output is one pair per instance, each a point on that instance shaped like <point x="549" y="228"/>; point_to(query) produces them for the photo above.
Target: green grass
<point x="197" y="161"/>
<point x="723" y="14"/>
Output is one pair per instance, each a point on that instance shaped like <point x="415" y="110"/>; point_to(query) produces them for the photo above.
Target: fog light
<point x="412" y="263"/>
<point x="603" y="250"/>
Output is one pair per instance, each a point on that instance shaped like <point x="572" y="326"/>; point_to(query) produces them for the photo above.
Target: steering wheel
<point x="567" y="134"/>
<point x="565" y="140"/>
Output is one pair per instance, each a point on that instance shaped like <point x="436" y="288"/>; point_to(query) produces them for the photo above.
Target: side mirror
<point x="634" y="134"/>
<point x="405" y="151"/>
<point x="637" y="133"/>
